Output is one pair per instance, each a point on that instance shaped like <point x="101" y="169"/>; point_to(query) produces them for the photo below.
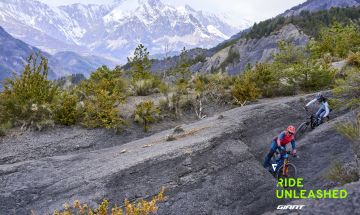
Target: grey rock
<point x="254" y="51"/>
<point x="213" y="167"/>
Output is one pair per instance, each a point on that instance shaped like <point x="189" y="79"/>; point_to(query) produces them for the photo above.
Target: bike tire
<point x="301" y="130"/>
<point x="292" y="171"/>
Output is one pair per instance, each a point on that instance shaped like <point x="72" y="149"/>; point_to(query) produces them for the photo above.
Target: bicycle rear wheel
<point x="291" y="170"/>
<point x="301" y="130"/>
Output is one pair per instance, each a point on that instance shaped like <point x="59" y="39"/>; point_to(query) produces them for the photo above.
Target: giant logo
<point x="290" y="207"/>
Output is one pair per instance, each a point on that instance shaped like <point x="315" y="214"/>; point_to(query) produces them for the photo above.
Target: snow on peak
<point x="114" y="29"/>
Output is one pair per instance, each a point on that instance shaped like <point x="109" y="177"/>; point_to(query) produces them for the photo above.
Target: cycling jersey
<point x="285" y="139"/>
<point x="323" y="106"/>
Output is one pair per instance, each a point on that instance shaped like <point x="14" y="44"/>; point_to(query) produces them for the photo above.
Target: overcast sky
<point x="253" y="10"/>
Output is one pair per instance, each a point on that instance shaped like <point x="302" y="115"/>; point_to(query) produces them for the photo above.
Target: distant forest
<point x="309" y="23"/>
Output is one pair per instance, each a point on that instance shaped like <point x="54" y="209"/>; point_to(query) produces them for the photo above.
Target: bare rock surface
<point x="212" y="167"/>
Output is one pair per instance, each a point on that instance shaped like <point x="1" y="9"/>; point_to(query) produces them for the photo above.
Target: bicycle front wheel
<point x="301" y="130"/>
<point x="290" y="170"/>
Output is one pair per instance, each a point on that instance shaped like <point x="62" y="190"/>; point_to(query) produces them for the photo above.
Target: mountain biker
<point x="279" y="143"/>
<point x="324" y="109"/>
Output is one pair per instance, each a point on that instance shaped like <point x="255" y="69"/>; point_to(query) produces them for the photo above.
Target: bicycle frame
<point x="285" y="168"/>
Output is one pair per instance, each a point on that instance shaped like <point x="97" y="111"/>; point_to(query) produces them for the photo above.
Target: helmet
<point x="319" y="97"/>
<point x="291" y="129"/>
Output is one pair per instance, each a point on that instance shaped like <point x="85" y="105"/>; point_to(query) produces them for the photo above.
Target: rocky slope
<point x="252" y="51"/>
<point x="213" y="167"/>
<point x="316" y="5"/>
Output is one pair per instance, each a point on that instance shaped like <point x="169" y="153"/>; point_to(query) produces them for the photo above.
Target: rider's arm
<point x="327" y="109"/>
<point x="280" y="137"/>
<point x="310" y="102"/>
<point x="293" y="144"/>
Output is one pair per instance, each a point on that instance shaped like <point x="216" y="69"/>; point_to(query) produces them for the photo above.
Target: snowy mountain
<point x="114" y="30"/>
<point x="14" y="52"/>
<point x="13" y="55"/>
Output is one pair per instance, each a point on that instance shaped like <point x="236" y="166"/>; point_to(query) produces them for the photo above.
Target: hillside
<point x="219" y="157"/>
<point x="13" y="55"/>
<point x="14" y="52"/>
<point x="316" y="5"/>
<point x="260" y="42"/>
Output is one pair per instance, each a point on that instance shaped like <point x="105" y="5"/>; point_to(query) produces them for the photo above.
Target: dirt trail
<point x="214" y="167"/>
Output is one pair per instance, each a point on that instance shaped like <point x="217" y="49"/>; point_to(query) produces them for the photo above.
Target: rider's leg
<point x="318" y="114"/>
<point x="270" y="154"/>
<point x="321" y="117"/>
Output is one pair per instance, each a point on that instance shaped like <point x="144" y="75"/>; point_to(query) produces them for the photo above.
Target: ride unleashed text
<point x="289" y="190"/>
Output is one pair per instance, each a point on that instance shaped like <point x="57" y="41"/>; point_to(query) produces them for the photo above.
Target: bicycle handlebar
<point x="288" y="152"/>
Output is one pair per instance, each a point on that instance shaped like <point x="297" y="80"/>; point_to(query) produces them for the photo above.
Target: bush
<point x="100" y="96"/>
<point x="2" y="131"/>
<point x="146" y="86"/>
<point x="140" y="63"/>
<point x="347" y="90"/>
<point x="265" y="79"/>
<point x="341" y="174"/>
<point x="100" y="110"/>
<point x="351" y="129"/>
<point x="354" y="59"/>
<point x="293" y="71"/>
<point x="26" y="99"/>
<point x="65" y="109"/>
<point x="141" y="207"/>
<point x="244" y="89"/>
<point x="337" y="40"/>
<point x="314" y="76"/>
<point x="146" y="113"/>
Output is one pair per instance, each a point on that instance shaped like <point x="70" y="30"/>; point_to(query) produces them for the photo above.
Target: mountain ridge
<point x="113" y="30"/>
<point x="14" y="52"/>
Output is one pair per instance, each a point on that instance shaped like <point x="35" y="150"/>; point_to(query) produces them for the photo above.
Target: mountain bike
<point x="311" y="121"/>
<point x="281" y="167"/>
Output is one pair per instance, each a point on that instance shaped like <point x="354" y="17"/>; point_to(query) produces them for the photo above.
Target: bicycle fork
<point x="285" y="168"/>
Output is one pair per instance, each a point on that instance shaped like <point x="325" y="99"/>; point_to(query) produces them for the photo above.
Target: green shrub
<point x="100" y="97"/>
<point x="186" y="104"/>
<point x="341" y="174"/>
<point x="337" y="40"/>
<point x="314" y="76"/>
<point x="146" y="86"/>
<point x="26" y="99"/>
<point x="351" y="129"/>
<point x="100" y="110"/>
<point x="65" y="109"/>
<point x="140" y="207"/>
<point x="293" y="71"/>
<point x="354" y="58"/>
<point x="146" y="113"/>
<point x="265" y="79"/>
<point x="181" y="70"/>
<point x="244" y="89"/>
<point x="2" y="131"/>
<point x="347" y="89"/>
<point x="140" y="63"/>
<point x="164" y="106"/>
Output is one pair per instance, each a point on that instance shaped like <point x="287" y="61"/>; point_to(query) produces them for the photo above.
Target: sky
<point x="252" y="10"/>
